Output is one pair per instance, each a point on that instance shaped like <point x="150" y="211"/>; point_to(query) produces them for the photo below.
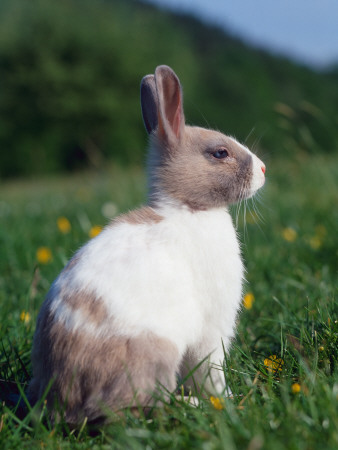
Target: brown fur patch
<point x="92" y="376"/>
<point x="92" y="308"/>
<point x="190" y="174"/>
<point x="140" y="216"/>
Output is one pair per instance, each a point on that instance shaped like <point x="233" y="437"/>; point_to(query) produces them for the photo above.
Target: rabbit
<point x="158" y="291"/>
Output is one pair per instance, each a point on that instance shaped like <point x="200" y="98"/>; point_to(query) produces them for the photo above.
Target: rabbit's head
<point x="197" y="167"/>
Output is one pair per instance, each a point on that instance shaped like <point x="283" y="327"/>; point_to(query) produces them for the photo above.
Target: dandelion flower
<point x="64" y="225"/>
<point x="315" y="242"/>
<point x="43" y="255"/>
<point x="273" y="363"/>
<point x="248" y="300"/>
<point x="289" y="234"/>
<point x="25" y="316"/>
<point x="94" y="231"/>
<point x="296" y="388"/>
<point x="217" y="403"/>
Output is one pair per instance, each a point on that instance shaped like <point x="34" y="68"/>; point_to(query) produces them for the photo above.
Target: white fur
<point x="258" y="178"/>
<point x="180" y="278"/>
<point x="258" y="169"/>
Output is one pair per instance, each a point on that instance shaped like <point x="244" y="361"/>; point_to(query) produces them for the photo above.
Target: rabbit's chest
<point x="215" y="260"/>
<point x="217" y="270"/>
<point x="153" y="279"/>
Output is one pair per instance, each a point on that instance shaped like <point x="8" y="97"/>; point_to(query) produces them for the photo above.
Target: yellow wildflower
<point x="273" y="363"/>
<point x="289" y="234"/>
<point x="25" y="316"/>
<point x="315" y="242"/>
<point x="321" y="348"/>
<point x="94" y="231"/>
<point x="217" y="403"/>
<point x="296" y="388"/>
<point x="248" y="300"/>
<point x="43" y="255"/>
<point x="64" y="225"/>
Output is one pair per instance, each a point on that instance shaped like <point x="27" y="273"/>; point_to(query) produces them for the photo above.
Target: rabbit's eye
<point x="220" y="153"/>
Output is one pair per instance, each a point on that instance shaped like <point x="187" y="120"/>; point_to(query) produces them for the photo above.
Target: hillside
<point x="70" y="74"/>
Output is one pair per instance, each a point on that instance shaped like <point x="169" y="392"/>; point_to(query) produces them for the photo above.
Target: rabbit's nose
<point x="263" y="168"/>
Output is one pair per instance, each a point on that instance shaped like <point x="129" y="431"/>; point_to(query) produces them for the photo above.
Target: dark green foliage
<point x="70" y="73"/>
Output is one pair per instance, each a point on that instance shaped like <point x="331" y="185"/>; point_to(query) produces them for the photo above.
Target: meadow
<point x="282" y="368"/>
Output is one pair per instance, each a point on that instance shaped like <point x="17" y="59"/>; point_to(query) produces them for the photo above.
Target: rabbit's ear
<point x="149" y="103"/>
<point x="170" y="104"/>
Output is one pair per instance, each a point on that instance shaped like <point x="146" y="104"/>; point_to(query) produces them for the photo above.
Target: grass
<point x="284" y="401"/>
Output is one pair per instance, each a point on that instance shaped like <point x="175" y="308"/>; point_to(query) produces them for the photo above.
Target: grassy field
<point x="282" y="368"/>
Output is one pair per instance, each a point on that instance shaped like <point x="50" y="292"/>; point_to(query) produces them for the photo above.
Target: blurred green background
<point x="69" y="85"/>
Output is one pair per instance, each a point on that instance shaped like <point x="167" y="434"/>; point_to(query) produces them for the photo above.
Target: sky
<point x="304" y="30"/>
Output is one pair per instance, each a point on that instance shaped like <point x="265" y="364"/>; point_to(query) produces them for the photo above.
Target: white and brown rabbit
<point x="158" y="290"/>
